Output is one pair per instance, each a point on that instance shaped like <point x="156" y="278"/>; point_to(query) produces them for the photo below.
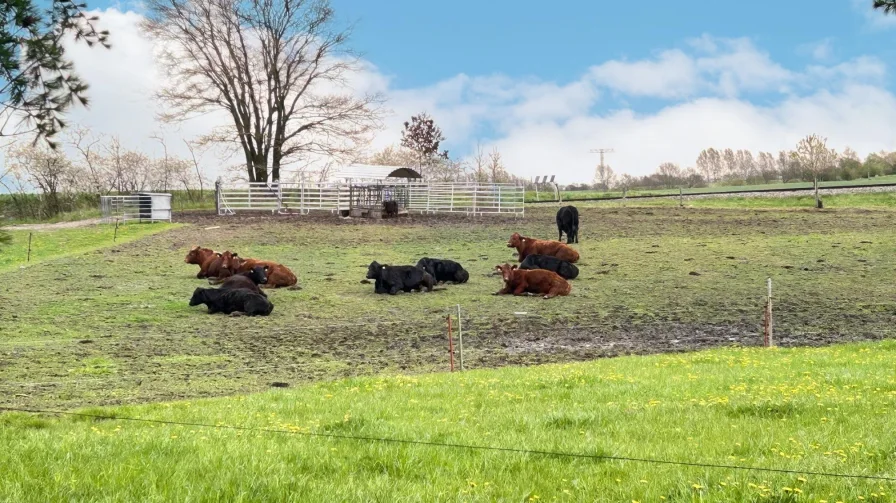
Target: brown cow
<point x="278" y="274"/>
<point x="537" y="281"/>
<point x="528" y="246"/>
<point x="198" y="255"/>
<point x="223" y="266"/>
<point x="209" y="261"/>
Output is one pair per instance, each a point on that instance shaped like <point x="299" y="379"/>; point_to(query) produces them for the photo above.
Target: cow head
<point x="515" y="240"/>
<point x="374" y="270"/>
<point x="197" y="255"/>
<point x="198" y="296"/>
<point x="229" y="260"/>
<point x="506" y="271"/>
<point x="258" y="275"/>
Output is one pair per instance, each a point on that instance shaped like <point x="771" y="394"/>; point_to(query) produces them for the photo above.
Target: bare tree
<point x="196" y="166"/>
<point x="729" y="163"/>
<point x="746" y="165"/>
<point x="88" y="146"/>
<point x="704" y="164"/>
<point x="815" y="157"/>
<point x="46" y="170"/>
<point x="766" y="167"/>
<point x="604" y="176"/>
<point x="625" y="181"/>
<point x="669" y="173"/>
<point x="496" y="169"/>
<point x="277" y="68"/>
<point x="393" y="156"/>
<point x="163" y="170"/>
<point x="478" y="165"/>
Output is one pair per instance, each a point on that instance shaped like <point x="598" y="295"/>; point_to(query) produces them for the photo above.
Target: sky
<point x="656" y="81"/>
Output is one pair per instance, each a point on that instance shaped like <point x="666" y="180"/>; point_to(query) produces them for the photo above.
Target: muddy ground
<point x="113" y="327"/>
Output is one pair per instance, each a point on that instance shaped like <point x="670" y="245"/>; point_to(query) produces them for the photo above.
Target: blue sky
<point x="423" y="42"/>
<point x="656" y="80"/>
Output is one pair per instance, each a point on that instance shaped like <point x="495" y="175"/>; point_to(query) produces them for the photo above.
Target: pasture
<point x="111" y="325"/>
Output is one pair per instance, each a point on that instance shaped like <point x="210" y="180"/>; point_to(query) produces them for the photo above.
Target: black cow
<point x="391" y="208"/>
<point x="568" y="222"/>
<point x="392" y="278"/>
<point x="248" y="280"/>
<point x="547" y="262"/>
<point x="444" y="270"/>
<point x="231" y="301"/>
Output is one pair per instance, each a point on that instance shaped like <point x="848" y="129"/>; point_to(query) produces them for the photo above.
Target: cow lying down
<point x="231" y="301"/>
<point x="394" y="278"/>
<point x="248" y="280"/>
<point x="443" y="270"/>
<point x="537" y="281"/>
<point x="548" y="263"/>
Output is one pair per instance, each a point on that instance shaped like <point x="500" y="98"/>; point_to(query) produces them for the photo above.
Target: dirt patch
<point x="61" y="225"/>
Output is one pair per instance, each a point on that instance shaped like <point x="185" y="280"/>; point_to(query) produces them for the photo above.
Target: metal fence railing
<point x="303" y="197"/>
<point x="146" y="207"/>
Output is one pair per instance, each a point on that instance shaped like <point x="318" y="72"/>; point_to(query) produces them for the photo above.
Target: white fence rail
<point x="147" y="207"/>
<point x="303" y="197"/>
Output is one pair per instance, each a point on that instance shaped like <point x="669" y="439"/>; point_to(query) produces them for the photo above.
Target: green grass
<point x="589" y="194"/>
<point x="58" y="243"/>
<point x="651" y="280"/>
<point x="817" y="409"/>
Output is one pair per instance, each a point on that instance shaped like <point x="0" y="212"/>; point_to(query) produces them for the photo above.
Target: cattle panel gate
<point x="304" y="197"/>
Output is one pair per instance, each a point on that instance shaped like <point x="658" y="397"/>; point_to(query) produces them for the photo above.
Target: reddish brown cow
<point x="278" y="274"/>
<point x="537" y="281"/>
<point x="528" y="246"/>
<point x="199" y="256"/>
<point x="208" y="260"/>
<point x="223" y="266"/>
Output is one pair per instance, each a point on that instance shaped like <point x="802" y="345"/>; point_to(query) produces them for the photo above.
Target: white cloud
<point x="821" y="50"/>
<point x="544" y="127"/>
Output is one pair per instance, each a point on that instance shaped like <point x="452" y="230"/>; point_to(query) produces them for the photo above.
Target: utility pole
<point x="601" y="151"/>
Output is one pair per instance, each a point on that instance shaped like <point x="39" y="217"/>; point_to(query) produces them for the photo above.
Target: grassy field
<point x="652" y="280"/>
<point x="810" y="409"/>
<point x="59" y="243"/>
<point x="590" y="194"/>
<point x="106" y="326"/>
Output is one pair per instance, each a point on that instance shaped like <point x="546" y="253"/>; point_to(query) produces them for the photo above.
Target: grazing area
<point x="650" y="280"/>
<point x="824" y="409"/>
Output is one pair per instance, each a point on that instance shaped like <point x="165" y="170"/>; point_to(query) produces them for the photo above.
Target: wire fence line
<point x="450" y="445"/>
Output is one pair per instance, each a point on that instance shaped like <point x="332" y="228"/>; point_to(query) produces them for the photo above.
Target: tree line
<point x="741" y="167"/>
<point x="43" y="182"/>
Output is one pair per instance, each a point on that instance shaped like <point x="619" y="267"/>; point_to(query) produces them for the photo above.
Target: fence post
<point x="769" y="324"/>
<point x="115" y="236"/>
<point x="499" y="199"/>
<point x="450" y="344"/>
<point x="452" y="197"/>
<point x="475" y="194"/>
<point x="460" y="339"/>
<point x="29" y="247"/>
<point x="218" y="196"/>
<point x="680" y="197"/>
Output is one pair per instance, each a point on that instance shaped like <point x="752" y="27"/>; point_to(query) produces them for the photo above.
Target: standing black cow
<point x="568" y="222"/>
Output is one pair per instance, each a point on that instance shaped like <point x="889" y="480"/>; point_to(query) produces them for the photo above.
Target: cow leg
<point x="520" y="290"/>
<point x="503" y="291"/>
<point x="393" y="290"/>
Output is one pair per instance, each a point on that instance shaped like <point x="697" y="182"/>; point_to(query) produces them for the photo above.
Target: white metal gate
<point x="303" y="197"/>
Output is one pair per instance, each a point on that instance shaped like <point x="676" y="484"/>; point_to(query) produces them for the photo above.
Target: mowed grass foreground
<point x="825" y="409"/>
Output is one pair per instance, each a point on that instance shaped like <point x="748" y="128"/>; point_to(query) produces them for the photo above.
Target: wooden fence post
<point x="450" y="344"/>
<point x="29" y="247"/>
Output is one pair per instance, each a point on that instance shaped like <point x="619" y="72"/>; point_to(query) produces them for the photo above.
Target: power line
<point x="455" y="445"/>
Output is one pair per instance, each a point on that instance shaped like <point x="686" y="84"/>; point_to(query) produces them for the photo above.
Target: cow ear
<point x="218" y="254"/>
<point x="512" y="267"/>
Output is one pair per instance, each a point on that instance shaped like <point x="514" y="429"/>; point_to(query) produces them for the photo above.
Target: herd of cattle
<point x="545" y="266"/>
